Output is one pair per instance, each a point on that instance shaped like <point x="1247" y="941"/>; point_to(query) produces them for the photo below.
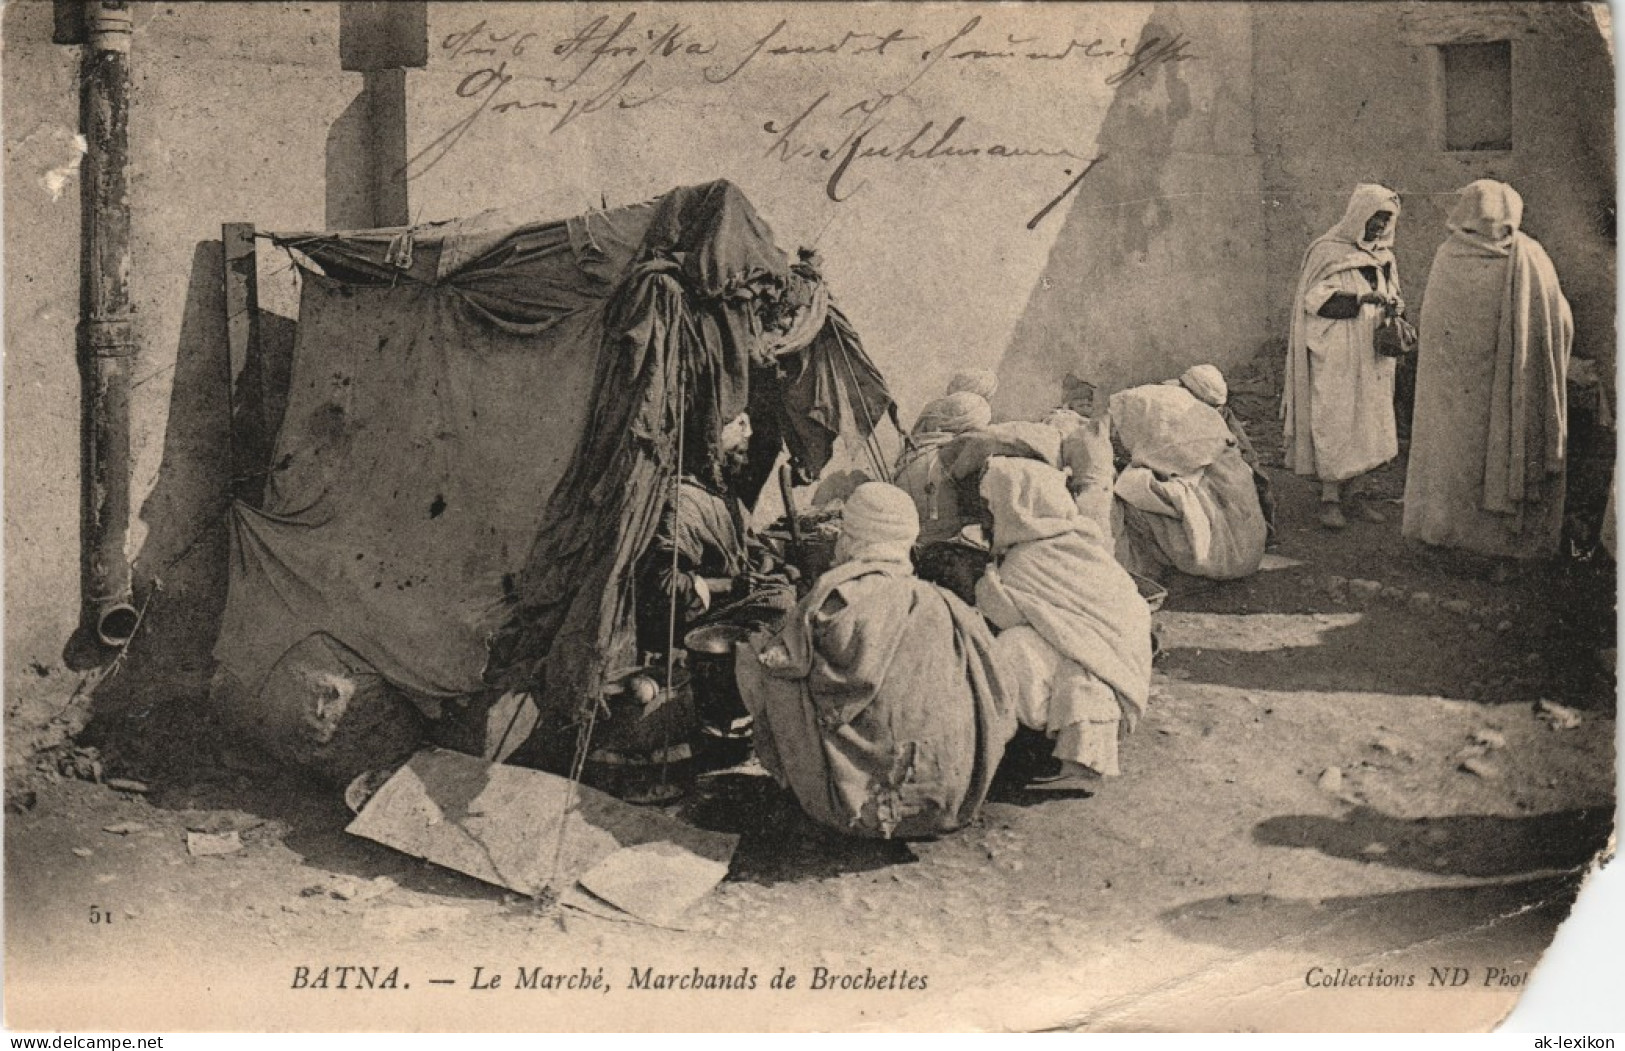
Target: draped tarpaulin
<point x="481" y="429"/>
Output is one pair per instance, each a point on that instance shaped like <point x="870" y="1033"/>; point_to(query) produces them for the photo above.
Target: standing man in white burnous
<point x="1338" y="403"/>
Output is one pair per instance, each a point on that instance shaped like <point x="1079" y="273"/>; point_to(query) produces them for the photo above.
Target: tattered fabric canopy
<point x="483" y="423"/>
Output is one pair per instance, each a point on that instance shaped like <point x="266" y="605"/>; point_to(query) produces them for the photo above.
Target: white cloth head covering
<point x="974" y="381"/>
<point x="1019" y="438"/>
<point x="1367" y="200"/>
<point x="954" y="414"/>
<point x="1168" y="429"/>
<point x="878" y="524"/>
<point x="1029" y="501"/>
<point x="1486" y="217"/>
<point x="1207" y="383"/>
<point x="1527" y="430"/>
<point x="1065" y="420"/>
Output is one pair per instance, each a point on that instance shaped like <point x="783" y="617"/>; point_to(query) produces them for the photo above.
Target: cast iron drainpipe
<point x="107" y="345"/>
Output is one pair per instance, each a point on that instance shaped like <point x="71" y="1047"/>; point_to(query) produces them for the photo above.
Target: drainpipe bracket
<point x="109" y="26"/>
<point x="111" y="338"/>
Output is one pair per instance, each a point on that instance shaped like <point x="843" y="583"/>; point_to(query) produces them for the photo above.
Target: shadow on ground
<point x="1345" y="930"/>
<point x="309" y="821"/>
<point x="1478" y="845"/>
<point x="779" y="843"/>
<point x="1546" y="631"/>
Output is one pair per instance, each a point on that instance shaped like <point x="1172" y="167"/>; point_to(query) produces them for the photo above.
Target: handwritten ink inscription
<point x="876" y="103"/>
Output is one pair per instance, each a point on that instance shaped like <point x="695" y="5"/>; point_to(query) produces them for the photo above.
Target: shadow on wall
<point x="366" y="156"/>
<point x="349" y="187"/>
<point x="1090" y="312"/>
<point x="181" y="570"/>
<point x="261" y="402"/>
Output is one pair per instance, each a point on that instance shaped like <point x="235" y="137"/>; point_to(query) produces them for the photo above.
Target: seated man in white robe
<point x="879" y="705"/>
<point x="1074" y="633"/>
<point x="1187" y="499"/>
<point x="1207" y="383"/>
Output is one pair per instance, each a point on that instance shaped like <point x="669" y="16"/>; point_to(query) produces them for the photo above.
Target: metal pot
<point x="716" y="692"/>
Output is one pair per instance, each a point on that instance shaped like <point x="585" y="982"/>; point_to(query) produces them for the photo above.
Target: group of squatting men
<point x="990" y="585"/>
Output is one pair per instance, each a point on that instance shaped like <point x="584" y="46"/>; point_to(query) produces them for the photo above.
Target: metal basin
<point x="711" y="666"/>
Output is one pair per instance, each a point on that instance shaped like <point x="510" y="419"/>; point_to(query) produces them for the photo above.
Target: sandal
<point x="1065" y="775"/>
<point x="1049" y="770"/>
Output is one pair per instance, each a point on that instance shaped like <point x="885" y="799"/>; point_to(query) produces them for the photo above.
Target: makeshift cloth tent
<point x="482" y="427"/>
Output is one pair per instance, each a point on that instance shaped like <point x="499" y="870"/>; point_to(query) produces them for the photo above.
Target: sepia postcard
<point x="804" y="516"/>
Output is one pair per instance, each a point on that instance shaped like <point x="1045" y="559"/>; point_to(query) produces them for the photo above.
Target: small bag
<point x="1396" y="337"/>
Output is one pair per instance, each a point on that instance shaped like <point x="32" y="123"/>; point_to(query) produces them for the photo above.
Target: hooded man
<point x="1489" y="439"/>
<point x="1074" y="633"/>
<point x="878" y="705"/>
<point x="1337" y="404"/>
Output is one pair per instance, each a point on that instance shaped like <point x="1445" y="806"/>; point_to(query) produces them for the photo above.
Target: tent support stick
<point x="250" y="437"/>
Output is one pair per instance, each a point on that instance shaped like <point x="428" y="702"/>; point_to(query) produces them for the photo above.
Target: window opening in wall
<point x="1477" y="95"/>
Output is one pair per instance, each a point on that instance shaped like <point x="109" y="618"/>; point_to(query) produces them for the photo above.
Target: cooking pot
<point x="717" y="701"/>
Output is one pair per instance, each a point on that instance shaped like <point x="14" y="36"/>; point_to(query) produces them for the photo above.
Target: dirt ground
<point x="1298" y="797"/>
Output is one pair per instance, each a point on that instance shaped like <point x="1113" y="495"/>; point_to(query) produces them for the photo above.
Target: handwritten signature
<point x="865" y="141"/>
<point x="927" y="142"/>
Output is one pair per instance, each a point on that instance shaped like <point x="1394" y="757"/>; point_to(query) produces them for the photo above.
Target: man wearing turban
<point x="981" y="382"/>
<point x="953" y="441"/>
<point x="1206" y="384"/>
<point x="878" y="705"/>
<point x="1187" y="499"/>
<point x="704" y="563"/>
<point x="921" y="472"/>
